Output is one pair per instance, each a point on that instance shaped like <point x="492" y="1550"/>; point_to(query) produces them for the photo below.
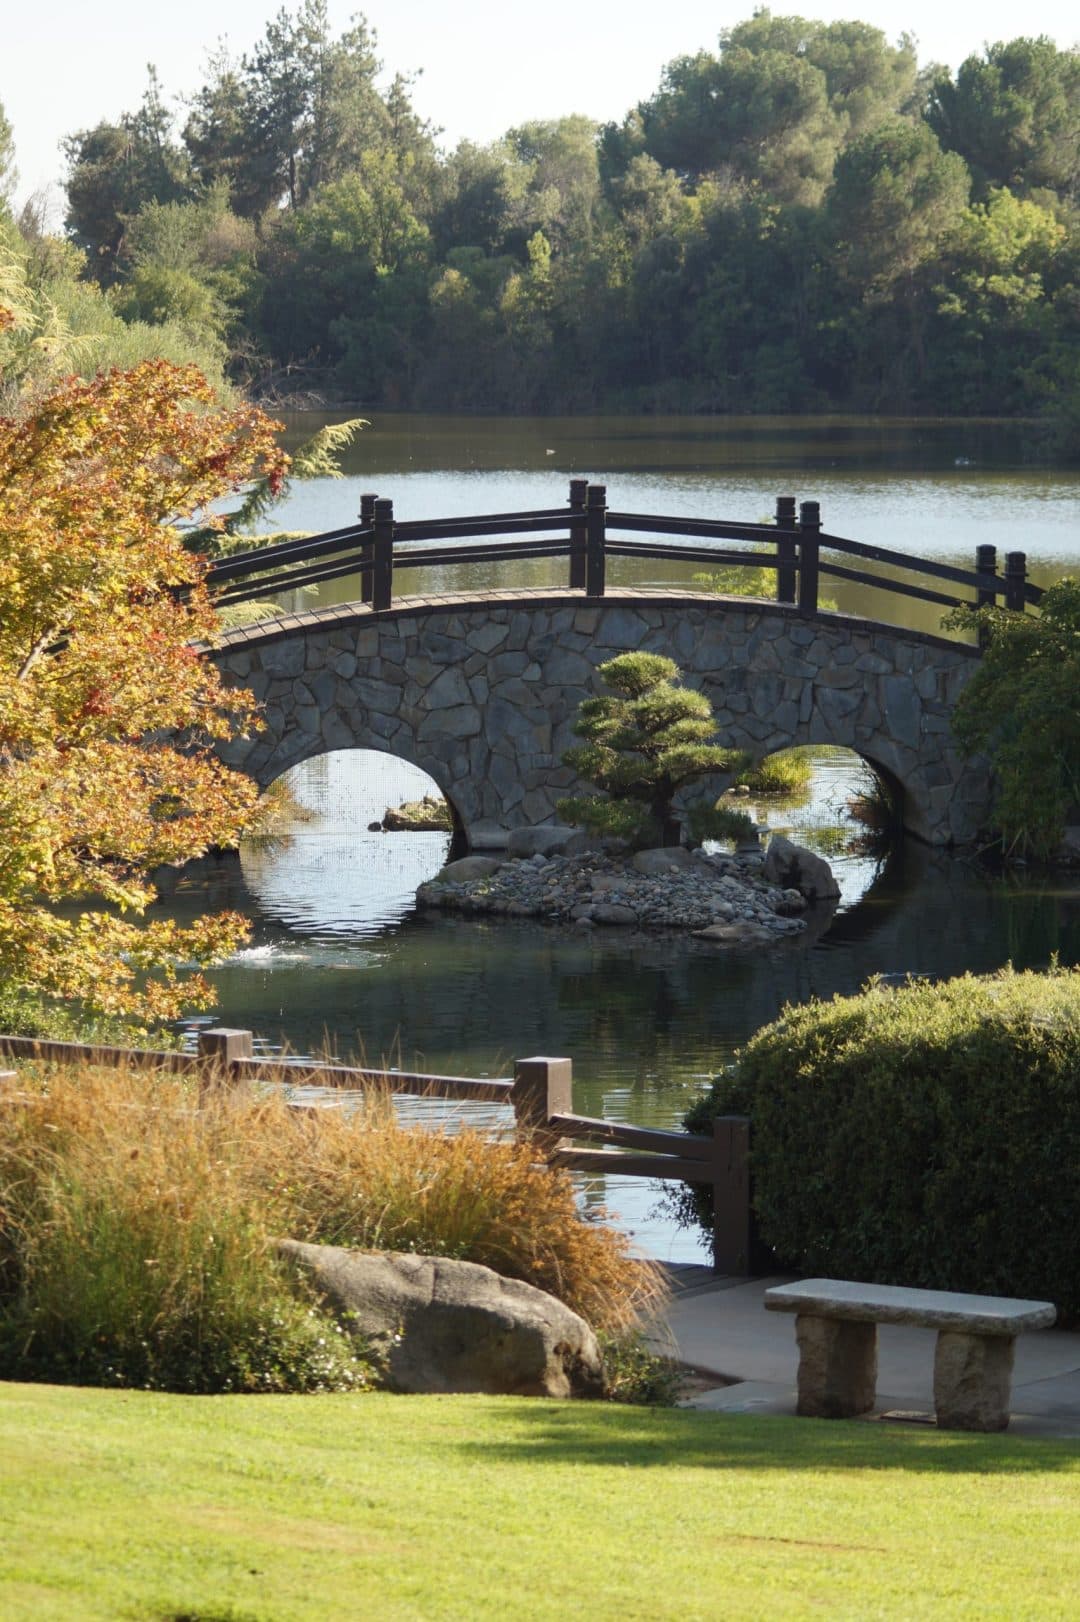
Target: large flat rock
<point x="893" y="1303"/>
<point x="439" y="1324"/>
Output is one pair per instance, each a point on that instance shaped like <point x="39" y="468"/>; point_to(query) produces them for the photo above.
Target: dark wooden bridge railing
<point x="539" y="1094"/>
<point x="587" y="533"/>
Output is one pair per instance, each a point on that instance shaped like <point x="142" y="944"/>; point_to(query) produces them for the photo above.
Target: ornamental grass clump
<point x="926" y="1135"/>
<point x="788" y="772"/>
<point x="362" y="1179"/>
<point x="135" y="1251"/>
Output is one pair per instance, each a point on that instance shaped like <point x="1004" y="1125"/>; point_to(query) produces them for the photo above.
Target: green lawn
<point x="127" y="1504"/>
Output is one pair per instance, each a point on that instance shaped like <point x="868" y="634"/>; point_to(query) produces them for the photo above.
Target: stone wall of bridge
<point x="481" y="692"/>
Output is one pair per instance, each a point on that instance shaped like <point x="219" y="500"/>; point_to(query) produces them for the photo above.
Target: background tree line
<point x="803" y="220"/>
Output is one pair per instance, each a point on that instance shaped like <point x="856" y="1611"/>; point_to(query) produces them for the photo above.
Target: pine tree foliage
<point x="316" y="458"/>
<point x="644" y="744"/>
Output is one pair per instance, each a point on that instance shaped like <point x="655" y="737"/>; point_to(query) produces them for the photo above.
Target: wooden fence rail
<point x="539" y="1093"/>
<point x="587" y="534"/>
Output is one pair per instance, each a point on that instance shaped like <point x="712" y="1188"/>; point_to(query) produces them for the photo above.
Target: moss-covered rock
<point x="429" y="815"/>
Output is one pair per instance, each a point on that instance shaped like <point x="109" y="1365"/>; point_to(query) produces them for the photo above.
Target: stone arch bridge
<point x="481" y="690"/>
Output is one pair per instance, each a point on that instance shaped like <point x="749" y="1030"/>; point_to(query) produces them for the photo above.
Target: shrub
<point x="922" y="1135"/>
<point x="645" y="742"/>
<point x="637" y="1375"/>
<point x="1020" y="709"/>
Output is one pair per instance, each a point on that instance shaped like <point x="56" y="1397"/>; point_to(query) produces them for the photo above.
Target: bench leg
<point x="837" y="1367"/>
<point x="973" y="1380"/>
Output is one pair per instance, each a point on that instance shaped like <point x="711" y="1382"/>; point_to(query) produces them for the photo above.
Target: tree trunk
<point x="670" y="830"/>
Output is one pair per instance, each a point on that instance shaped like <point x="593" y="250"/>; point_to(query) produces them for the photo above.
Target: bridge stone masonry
<point x="481" y="691"/>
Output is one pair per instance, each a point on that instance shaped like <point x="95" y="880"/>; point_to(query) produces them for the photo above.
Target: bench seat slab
<point x="891" y="1303"/>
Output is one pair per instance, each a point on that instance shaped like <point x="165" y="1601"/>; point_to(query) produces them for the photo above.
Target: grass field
<point x="232" y="1509"/>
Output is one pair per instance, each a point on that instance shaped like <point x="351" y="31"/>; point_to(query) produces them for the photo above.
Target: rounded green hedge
<point x="921" y="1135"/>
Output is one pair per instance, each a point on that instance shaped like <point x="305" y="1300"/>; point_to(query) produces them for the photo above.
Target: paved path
<point x="720" y="1326"/>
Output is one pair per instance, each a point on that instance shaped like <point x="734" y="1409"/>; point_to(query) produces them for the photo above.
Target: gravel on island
<point x="711" y="895"/>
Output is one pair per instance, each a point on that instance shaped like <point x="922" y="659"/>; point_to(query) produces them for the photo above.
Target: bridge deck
<point x="352" y="613"/>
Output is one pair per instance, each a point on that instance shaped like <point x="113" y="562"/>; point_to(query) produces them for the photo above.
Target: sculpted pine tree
<point x="645" y="742"/>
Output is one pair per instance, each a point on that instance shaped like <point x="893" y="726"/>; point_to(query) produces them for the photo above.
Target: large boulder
<point x="443" y="1325"/>
<point x="543" y="841"/>
<point x="485" y="836"/>
<point x="662" y="860"/>
<point x="468" y="868"/>
<point x="793" y="867"/>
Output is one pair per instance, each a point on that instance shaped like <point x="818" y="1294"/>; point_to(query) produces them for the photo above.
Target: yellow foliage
<point x="108" y="714"/>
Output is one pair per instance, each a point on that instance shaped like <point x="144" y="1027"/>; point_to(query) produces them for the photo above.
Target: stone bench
<point x="836" y="1330"/>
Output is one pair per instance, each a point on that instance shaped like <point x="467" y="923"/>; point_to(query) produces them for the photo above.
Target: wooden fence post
<point x="1015" y="579"/>
<point x="578" y="540"/>
<point x="223" y="1047"/>
<point x="367" y="518"/>
<point x="786" y="524"/>
<point x="382" y="555"/>
<point x="595" y="524"/>
<point x="542" y="1088"/>
<point x="732" y="1226"/>
<point x="986" y="596"/>
<point x="809" y="554"/>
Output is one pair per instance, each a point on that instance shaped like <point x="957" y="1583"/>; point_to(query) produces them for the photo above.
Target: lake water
<point x="340" y="958"/>
<point x="931" y="488"/>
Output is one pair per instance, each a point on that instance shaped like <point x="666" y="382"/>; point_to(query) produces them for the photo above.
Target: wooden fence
<point x="538" y="1094"/>
<point x="587" y="534"/>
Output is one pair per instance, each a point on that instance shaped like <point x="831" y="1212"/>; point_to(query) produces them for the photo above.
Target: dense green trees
<point x="801" y="220"/>
<point x="1013" y="114"/>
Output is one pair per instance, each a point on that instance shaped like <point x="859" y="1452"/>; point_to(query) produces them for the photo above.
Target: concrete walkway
<point x="719" y="1326"/>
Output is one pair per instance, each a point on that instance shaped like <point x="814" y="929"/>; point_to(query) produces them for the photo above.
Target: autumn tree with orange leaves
<point x="108" y="713"/>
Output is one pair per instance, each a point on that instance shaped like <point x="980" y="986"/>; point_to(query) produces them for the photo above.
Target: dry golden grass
<point x="133" y="1249"/>
<point x="364" y="1180"/>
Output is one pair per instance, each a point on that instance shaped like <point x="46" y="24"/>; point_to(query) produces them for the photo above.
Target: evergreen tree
<point x="115" y="170"/>
<point x="645" y="743"/>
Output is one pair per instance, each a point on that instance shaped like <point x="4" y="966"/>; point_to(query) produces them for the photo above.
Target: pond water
<point x="338" y="955"/>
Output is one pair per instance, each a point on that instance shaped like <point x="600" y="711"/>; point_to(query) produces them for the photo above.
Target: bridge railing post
<point x="224" y="1050"/>
<point x="382" y="555"/>
<point x="986" y="596"/>
<point x="578" y="533"/>
<point x="786" y="524"/>
<point x="595" y="527"/>
<point x="809" y="556"/>
<point x="367" y="518"/>
<point x="1015" y="580"/>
